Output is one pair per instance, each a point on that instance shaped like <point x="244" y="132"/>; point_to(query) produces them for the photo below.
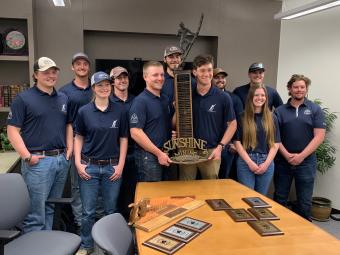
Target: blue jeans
<point x="44" y="180"/>
<point x="304" y="175"/>
<point x="227" y="158"/>
<point x="89" y="192"/>
<point x="76" y="201"/>
<point x="148" y="168"/>
<point x="258" y="182"/>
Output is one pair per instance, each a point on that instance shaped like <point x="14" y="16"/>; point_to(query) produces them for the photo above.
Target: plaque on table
<point x="263" y="214"/>
<point x="179" y="233"/>
<point x="218" y="204"/>
<point x="185" y="149"/>
<point x="164" y="244"/>
<point x="240" y="215"/>
<point x="193" y="224"/>
<point x="256" y="202"/>
<point x="265" y="228"/>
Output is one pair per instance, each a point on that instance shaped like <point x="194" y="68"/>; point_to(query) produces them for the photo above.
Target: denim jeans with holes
<point x="44" y="180"/>
<point x="89" y="190"/>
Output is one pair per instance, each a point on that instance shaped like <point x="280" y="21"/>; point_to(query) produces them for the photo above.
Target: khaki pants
<point x="208" y="170"/>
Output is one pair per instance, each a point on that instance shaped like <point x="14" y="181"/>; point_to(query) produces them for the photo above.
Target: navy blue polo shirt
<point x="211" y="113"/>
<point x="274" y="99"/>
<point x="262" y="145"/>
<point x="297" y="124"/>
<point x="168" y="86"/>
<point x="77" y="97"/>
<point x="101" y="130"/>
<point x="153" y="115"/>
<point x="42" y="119"/>
<point x="127" y="105"/>
<point x="237" y="103"/>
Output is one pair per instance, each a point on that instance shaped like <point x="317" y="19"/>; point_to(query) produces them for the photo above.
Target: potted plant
<point x="325" y="154"/>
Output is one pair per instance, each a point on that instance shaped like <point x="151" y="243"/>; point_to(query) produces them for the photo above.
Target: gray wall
<point x="245" y="29"/>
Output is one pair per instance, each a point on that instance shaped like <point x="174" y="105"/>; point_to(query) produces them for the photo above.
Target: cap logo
<point x="173" y="48"/>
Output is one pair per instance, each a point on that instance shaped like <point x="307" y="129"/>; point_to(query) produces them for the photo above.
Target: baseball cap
<point x="44" y="63"/>
<point x="171" y="50"/>
<point x="98" y="77"/>
<point x="219" y="70"/>
<point x="80" y="55"/>
<point x="118" y="70"/>
<point x="256" y="66"/>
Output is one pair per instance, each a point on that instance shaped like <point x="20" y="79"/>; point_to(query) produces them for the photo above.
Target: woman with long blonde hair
<point x="257" y="141"/>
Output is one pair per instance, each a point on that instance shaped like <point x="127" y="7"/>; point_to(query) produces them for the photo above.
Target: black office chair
<point x="113" y="236"/>
<point x="14" y="206"/>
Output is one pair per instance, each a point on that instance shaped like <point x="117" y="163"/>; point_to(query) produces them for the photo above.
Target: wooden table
<point x="8" y="161"/>
<point x="228" y="237"/>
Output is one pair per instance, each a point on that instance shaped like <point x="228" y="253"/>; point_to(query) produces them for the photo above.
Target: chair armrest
<point x="62" y="200"/>
<point x="7" y="235"/>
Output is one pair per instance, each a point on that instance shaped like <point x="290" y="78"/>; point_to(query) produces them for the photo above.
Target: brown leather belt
<point x="55" y="152"/>
<point x="100" y="162"/>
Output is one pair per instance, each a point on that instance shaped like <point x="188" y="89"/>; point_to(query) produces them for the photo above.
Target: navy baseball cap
<point x="80" y="55"/>
<point x="98" y="77"/>
<point x="256" y="66"/>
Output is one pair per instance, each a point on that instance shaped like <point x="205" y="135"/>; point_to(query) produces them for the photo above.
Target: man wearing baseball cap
<point x="229" y="152"/>
<point x="121" y="95"/>
<point x="256" y="76"/>
<point x="39" y="129"/>
<point x="79" y="93"/>
<point x="172" y="60"/>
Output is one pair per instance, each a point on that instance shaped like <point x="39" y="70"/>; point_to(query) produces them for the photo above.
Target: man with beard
<point x="256" y="76"/>
<point x="302" y="129"/>
<point x="229" y="152"/>
<point x="172" y="60"/>
<point x="79" y="93"/>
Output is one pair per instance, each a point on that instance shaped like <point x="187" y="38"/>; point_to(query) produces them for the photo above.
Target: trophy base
<point x="188" y="159"/>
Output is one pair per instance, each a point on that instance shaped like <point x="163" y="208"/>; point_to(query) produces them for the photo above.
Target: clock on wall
<point x="14" y="42"/>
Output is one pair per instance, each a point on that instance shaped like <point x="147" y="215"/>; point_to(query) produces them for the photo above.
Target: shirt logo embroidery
<point x="63" y="108"/>
<point x="134" y="119"/>
<point x="10" y="115"/>
<point x="212" y="108"/>
<point x="307" y="112"/>
<point x="114" y="123"/>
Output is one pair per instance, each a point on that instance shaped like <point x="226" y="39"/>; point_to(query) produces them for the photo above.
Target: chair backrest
<point x="14" y="200"/>
<point x="113" y="235"/>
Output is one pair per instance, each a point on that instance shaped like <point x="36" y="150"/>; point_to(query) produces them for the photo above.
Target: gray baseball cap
<point x="256" y="66"/>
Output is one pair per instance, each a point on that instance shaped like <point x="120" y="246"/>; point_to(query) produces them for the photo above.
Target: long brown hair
<point x="249" y="139"/>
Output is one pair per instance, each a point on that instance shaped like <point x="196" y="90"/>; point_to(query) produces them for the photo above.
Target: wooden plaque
<point x="164" y="244"/>
<point x="265" y="228"/>
<point x="218" y="204"/>
<point x="256" y="202"/>
<point x="240" y="215"/>
<point x="193" y="224"/>
<point x="179" y="233"/>
<point x="263" y="214"/>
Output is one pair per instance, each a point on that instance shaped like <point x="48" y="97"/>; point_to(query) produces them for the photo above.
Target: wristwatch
<point x="222" y="145"/>
<point x="28" y="159"/>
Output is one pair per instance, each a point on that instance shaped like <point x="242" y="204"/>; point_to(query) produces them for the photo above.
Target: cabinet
<point x="16" y="69"/>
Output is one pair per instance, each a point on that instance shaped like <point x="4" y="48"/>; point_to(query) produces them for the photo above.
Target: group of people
<point x="109" y="139"/>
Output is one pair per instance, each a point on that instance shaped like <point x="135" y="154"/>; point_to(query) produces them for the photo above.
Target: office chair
<point x="14" y="206"/>
<point x="112" y="234"/>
